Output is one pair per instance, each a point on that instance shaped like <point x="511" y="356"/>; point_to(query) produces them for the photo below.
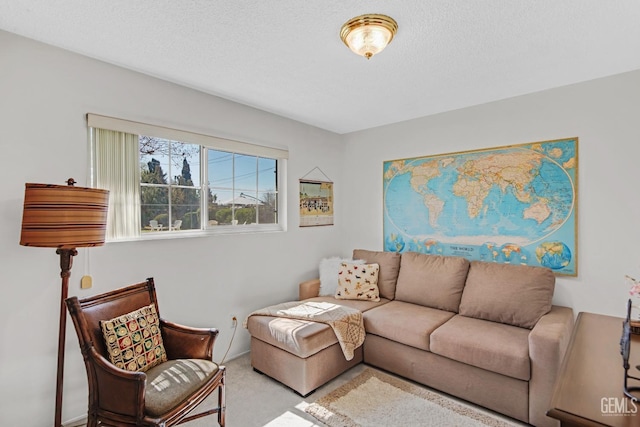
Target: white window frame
<point x="95" y="121"/>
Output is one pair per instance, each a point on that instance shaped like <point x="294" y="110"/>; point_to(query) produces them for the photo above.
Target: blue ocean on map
<point x="512" y="204"/>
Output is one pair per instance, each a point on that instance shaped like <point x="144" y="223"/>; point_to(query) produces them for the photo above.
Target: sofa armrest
<point x="548" y="343"/>
<point x="308" y="289"/>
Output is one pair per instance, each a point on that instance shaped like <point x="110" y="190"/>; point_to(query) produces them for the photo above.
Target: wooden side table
<point x="589" y="387"/>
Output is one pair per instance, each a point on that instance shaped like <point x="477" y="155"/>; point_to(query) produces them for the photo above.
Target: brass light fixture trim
<point x="368" y="34"/>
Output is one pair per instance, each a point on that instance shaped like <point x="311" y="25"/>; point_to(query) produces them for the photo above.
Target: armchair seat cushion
<point x="170" y="383"/>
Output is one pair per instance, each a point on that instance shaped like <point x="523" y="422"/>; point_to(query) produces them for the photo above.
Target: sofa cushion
<point x="409" y="324"/>
<point x="496" y="347"/>
<point x="389" y="263"/>
<point x="358" y="281"/>
<point x="513" y="294"/>
<point x="432" y="280"/>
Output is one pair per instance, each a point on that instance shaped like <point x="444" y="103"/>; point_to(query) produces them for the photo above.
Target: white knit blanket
<point x="346" y="322"/>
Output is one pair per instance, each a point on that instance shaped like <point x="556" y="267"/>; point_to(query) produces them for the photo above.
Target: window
<point x="243" y="188"/>
<point x="165" y="182"/>
<point x="170" y="195"/>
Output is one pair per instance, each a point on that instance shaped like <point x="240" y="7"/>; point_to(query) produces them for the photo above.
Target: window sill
<point x="211" y="231"/>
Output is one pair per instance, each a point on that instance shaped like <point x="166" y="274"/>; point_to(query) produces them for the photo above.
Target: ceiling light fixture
<point x="368" y="34"/>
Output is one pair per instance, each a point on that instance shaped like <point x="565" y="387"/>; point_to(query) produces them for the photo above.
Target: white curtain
<point x="118" y="170"/>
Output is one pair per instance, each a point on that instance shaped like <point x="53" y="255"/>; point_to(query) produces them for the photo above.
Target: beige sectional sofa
<point x="485" y="332"/>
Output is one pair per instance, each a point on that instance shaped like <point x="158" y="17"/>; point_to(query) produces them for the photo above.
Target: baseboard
<point x="80" y="421"/>
<point x="237" y="355"/>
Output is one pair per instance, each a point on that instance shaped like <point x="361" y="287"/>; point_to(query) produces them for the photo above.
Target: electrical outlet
<point x="234" y="321"/>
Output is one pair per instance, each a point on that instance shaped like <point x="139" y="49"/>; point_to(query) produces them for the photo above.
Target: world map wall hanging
<point x="515" y="204"/>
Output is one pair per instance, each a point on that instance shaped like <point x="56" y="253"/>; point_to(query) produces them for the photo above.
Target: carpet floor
<point x="255" y="400"/>
<point x="377" y="399"/>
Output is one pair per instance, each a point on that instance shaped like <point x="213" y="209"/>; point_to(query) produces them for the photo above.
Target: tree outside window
<point x="170" y="194"/>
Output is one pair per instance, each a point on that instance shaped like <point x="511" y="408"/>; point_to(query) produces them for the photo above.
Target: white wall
<point x="604" y="114"/>
<point x="44" y="95"/>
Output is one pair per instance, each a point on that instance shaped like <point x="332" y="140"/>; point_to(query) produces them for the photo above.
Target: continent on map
<point x="422" y="174"/>
<point x="475" y="191"/>
<point x="395" y="168"/>
<point x="435" y="206"/>
<point x="420" y="177"/>
<point x="555" y="152"/>
<point x="504" y="170"/>
<point x="554" y="255"/>
<point x="570" y="164"/>
<point x="539" y="211"/>
<point x="513" y="254"/>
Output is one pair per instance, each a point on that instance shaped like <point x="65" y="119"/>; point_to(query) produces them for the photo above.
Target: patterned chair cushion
<point x="134" y="341"/>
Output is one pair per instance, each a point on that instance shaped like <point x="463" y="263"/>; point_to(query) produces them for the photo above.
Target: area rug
<point x="377" y="399"/>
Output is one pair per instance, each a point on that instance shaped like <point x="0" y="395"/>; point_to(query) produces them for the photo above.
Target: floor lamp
<point x="66" y="218"/>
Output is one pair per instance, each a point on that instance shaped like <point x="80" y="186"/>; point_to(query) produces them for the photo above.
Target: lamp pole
<point x="66" y="261"/>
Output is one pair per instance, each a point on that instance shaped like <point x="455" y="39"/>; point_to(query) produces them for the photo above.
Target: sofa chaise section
<point x="304" y="355"/>
<point x="301" y="354"/>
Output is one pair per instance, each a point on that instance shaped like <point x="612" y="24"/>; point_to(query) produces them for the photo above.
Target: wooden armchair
<point x="164" y="394"/>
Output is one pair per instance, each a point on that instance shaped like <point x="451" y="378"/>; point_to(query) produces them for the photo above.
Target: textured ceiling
<point x="285" y="56"/>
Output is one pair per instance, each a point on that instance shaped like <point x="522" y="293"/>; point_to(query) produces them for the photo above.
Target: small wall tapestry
<point x="316" y="201"/>
<point x="514" y="204"/>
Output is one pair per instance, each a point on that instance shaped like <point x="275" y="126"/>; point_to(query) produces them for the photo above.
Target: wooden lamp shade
<point x="63" y="216"/>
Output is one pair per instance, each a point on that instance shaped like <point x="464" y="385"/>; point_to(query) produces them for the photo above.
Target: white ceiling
<point x="286" y="57"/>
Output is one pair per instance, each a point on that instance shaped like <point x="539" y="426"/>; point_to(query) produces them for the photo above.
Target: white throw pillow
<point x="328" y="273"/>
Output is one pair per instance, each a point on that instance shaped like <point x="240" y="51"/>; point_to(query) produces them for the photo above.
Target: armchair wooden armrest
<point x="129" y="400"/>
<point x="308" y="289"/>
<point x="184" y="342"/>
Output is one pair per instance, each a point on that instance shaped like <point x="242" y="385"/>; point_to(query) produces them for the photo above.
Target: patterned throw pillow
<point x="358" y="281"/>
<point x="134" y="341"/>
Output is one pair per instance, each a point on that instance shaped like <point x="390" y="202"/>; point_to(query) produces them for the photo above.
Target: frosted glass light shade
<point x="367" y="35"/>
